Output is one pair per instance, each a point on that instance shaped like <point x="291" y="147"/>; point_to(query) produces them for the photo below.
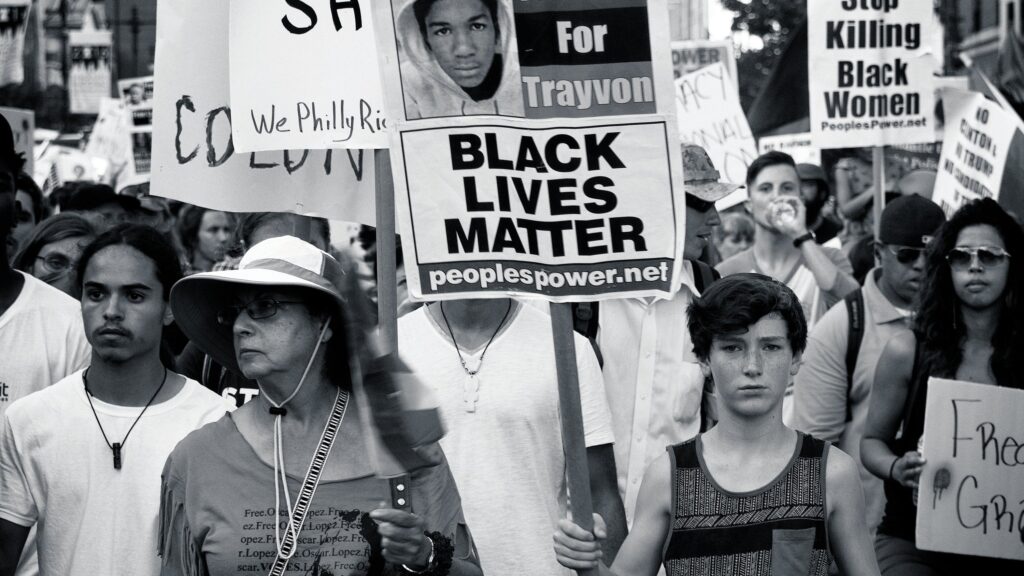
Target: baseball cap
<point x="910" y="221"/>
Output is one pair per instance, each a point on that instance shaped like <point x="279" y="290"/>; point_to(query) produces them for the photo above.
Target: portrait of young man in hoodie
<point x="458" y="58"/>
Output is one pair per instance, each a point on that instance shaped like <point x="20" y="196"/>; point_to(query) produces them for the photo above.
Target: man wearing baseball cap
<point x="653" y="381"/>
<point x="815" y="192"/>
<point x="833" y="388"/>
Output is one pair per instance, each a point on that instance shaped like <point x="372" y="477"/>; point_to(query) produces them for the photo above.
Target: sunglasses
<point x="905" y="254"/>
<point x="56" y="262"/>
<point x="258" y="309"/>
<point x="698" y="204"/>
<point x="988" y="256"/>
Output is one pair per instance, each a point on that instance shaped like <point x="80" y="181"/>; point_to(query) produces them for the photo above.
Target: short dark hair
<point x="771" y="158"/>
<point x="420" y="8"/>
<point x="250" y="222"/>
<point x="734" y="303"/>
<point x="24" y="183"/>
<point x="145" y="239"/>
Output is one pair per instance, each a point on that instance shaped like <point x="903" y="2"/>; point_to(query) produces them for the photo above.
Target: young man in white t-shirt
<point x="492" y="365"/>
<point x="82" y="458"/>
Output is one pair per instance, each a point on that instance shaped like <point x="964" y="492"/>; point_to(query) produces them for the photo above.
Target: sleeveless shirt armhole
<point x="672" y="510"/>
<point x="824" y="494"/>
<point x="177" y="548"/>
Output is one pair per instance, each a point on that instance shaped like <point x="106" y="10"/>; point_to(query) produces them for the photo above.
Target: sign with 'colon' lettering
<point x="871" y="83"/>
<point x="535" y="148"/>
<point x="971" y="496"/>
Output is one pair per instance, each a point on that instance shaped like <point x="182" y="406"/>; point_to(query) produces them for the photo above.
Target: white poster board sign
<point x="800" y="146"/>
<point x="971" y="498"/>
<point x="977" y="141"/>
<point x="549" y="167"/>
<point x="871" y="81"/>
<point x="137" y="94"/>
<point x="13" y="26"/>
<point x="305" y="75"/>
<point x="692" y="55"/>
<point x="23" y="125"/>
<point x="89" y="78"/>
<point x="194" y="158"/>
<point x="710" y="116"/>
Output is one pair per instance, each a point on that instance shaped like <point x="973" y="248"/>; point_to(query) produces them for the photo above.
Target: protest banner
<point x="23" y="125"/>
<point x="709" y="112"/>
<point x="304" y="77"/>
<point x="872" y="81"/>
<point x="978" y="138"/>
<point x="13" y="26"/>
<point x="194" y="159"/>
<point x="692" y="55"/>
<point x="800" y="146"/>
<point x="137" y="94"/>
<point x="89" y="77"/>
<point x="535" y="190"/>
<point x="971" y="496"/>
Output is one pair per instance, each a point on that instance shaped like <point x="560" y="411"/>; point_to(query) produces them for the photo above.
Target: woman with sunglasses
<point x="51" y="251"/>
<point x="969" y="326"/>
<point x="287" y="484"/>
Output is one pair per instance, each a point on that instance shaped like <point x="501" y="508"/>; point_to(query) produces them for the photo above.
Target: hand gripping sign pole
<point x="573" y="444"/>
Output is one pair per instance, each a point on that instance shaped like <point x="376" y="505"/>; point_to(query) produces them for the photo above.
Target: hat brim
<point x="196" y="299"/>
<point x="711" y="191"/>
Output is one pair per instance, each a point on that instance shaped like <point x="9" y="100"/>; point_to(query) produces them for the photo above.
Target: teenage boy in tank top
<point x="750" y="496"/>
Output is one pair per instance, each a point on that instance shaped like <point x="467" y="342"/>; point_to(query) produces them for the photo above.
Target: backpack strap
<point x="584" y="321"/>
<point x="855" y="313"/>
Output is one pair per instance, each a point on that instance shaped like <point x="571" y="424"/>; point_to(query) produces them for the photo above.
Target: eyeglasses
<point x="961" y="258"/>
<point x="56" y="263"/>
<point x="698" y="204"/>
<point x="905" y="254"/>
<point x="258" y="309"/>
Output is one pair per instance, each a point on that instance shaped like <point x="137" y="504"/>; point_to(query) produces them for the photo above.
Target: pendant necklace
<point x="116" y="447"/>
<point x="471" y="384"/>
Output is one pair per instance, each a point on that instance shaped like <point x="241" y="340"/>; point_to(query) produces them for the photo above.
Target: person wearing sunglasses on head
<point x="51" y="251"/>
<point x="968" y="326"/>
<point x="831" y="393"/>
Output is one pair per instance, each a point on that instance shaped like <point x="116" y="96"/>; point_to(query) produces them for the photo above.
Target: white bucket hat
<point x="284" y="261"/>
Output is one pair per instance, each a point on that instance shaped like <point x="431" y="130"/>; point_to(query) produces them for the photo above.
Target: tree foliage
<point x="774" y="22"/>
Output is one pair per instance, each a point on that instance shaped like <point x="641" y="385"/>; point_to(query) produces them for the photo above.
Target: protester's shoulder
<point x="841" y="471"/>
<point x="741" y="262"/>
<point x="206" y="442"/>
<point x="202" y="397"/>
<point x="902" y="345"/>
<point x="833" y="325"/>
<point x="51" y="400"/>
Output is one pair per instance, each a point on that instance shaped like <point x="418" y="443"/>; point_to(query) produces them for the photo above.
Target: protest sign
<point x="692" y="55"/>
<point x="89" y="73"/>
<point x="23" y="125"/>
<point x="554" y="209"/>
<point x="137" y="94"/>
<point x="194" y="159"/>
<point x="872" y="72"/>
<point x="304" y="77"/>
<point x="556" y="182"/>
<point x="109" y="136"/>
<point x="709" y="112"/>
<point x="978" y="138"/>
<point x="13" y="25"/>
<point x="800" y="146"/>
<point x="971" y="498"/>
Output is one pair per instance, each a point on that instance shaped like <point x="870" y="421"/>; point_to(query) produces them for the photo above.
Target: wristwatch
<point x="803" y="238"/>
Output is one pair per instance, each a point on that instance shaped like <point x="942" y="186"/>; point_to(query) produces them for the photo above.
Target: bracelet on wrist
<point x="892" y="466"/>
<point x="440" y="561"/>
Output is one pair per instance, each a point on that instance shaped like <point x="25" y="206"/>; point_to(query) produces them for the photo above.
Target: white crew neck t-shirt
<point x="57" y="471"/>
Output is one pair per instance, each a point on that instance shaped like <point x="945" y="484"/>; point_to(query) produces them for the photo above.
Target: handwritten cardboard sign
<point x="692" y="55"/>
<point x="871" y="82"/>
<point x="710" y="116"/>
<point x="978" y="138"/>
<point x="304" y="74"/>
<point x="193" y="152"/>
<point x="971" y="499"/>
<point x="547" y="165"/>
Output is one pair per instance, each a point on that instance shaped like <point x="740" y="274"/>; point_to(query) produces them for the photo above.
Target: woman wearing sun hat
<point x="285" y="483"/>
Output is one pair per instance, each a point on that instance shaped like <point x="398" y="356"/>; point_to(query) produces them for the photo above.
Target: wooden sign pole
<point x="573" y="442"/>
<point x="878" y="176"/>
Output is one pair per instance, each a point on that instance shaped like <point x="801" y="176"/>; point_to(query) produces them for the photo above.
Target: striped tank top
<point x="777" y="530"/>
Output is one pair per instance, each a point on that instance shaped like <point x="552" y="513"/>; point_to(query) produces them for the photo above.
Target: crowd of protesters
<point x="175" y="383"/>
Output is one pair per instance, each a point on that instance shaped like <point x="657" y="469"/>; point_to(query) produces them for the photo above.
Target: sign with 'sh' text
<point x="194" y="158"/>
<point x="971" y="496"/>
<point x="543" y="162"/>
<point x="304" y="74"/>
<point x="872" y="72"/>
